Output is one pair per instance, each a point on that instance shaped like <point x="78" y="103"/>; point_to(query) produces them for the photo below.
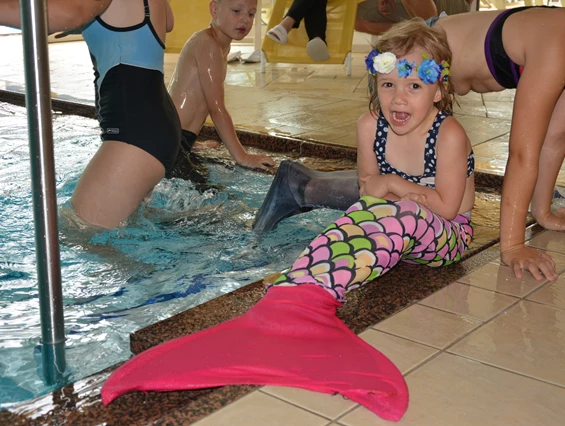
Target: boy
<point x="197" y="85"/>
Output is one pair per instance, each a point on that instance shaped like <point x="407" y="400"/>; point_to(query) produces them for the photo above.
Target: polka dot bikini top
<point x="428" y="178"/>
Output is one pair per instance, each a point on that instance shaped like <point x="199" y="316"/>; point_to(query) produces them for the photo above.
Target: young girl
<point x="493" y="51"/>
<point x="416" y="171"/>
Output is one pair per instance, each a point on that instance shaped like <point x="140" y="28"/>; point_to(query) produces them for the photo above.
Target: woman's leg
<point x="316" y="19"/>
<point x="114" y="183"/>
<point x="371" y="238"/>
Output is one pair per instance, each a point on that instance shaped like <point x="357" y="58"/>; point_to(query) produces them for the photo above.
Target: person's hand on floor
<point x="539" y="263"/>
<point x="257" y="161"/>
<point x="552" y="220"/>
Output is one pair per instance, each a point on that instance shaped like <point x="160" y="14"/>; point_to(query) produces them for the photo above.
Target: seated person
<point x="313" y="12"/>
<point x="377" y="16"/>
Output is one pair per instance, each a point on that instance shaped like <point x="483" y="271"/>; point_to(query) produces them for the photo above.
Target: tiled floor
<point x="487" y="350"/>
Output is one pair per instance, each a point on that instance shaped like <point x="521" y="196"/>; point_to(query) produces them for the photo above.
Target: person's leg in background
<point x="316" y="22"/>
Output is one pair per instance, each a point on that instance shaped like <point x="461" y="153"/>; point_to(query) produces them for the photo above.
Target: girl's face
<point x="234" y="17"/>
<point x="407" y="103"/>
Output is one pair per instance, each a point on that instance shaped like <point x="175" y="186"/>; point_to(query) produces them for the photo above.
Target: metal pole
<point x="40" y="129"/>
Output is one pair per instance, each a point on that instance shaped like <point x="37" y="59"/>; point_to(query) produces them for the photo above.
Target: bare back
<point x="126" y="13"/>
<point x="185" y="86"/>
<point x="521" y="35"/>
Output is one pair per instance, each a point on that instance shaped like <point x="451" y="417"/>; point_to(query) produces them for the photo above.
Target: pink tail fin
<point x="291" y="337"/>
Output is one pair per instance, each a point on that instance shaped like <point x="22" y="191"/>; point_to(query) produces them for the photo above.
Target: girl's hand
<point x="257" y="161"/>
<point x="417" y="198"/>
<point x="537" y="262"/>
<point x="552" y="220"/>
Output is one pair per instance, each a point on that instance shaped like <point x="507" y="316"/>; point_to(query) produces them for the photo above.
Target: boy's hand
<point x="417" y="198"/>
<point x="552" y="220"/>
<point x="537" y="262"/>
<point x="257" y="161"/>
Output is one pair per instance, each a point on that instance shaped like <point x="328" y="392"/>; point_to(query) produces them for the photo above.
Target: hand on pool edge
<point x="539" y="263"/>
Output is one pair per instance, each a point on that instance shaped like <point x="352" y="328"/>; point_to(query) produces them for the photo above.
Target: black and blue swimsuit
<point x="428" y="178"/>
<point x="132" y="102"/>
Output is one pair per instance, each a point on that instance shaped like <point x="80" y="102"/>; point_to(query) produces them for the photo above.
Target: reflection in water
<point x="183" y="247"/>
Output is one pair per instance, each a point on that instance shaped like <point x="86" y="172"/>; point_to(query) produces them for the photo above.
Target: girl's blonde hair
<point x="405" y="37"/>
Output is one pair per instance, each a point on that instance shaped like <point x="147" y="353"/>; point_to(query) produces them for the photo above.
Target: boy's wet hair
<point x="406" y="36"/>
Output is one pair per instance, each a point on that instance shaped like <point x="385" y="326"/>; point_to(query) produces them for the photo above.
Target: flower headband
<point x="429" y="70"/>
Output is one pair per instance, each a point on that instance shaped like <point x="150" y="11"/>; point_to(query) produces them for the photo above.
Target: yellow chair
<point x="339" y="36"/>
<point x="190" y="16"/>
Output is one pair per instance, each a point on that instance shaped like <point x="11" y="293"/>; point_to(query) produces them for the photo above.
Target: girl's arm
<point x="451" y="173"/>
<point x="538" y="90"/>
<point x="371" y="182"/>
<point x="62" y="15"/>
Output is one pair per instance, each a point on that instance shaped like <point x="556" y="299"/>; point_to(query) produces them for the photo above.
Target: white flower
<point x="385" y="62"/>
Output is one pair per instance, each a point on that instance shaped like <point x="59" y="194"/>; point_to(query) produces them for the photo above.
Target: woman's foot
<point x="317" y="49"/>
<point x="278" y="34"/>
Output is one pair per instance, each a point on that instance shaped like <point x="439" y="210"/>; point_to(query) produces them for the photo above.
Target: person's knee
<point x="360" y="24"/>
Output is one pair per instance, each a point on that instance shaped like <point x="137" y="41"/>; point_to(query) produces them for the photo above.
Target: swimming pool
<point x="182" y="249"/>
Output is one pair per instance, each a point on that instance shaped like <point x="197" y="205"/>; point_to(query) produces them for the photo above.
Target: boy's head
<point x="234" y="18"/>
<point x="411" y="36"/>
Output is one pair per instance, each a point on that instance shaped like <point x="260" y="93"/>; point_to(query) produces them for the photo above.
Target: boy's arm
<point x="536" y="96"/>
<point x="211" y="64"/>
<point x="62" y="15"/>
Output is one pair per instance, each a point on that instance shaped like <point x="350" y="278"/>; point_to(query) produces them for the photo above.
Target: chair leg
<point x="263" y="62"/>
<point x="348" y="63"/>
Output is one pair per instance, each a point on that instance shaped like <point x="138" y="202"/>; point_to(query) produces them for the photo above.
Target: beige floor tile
<point x="259" y="409"/>
<point x="551" y="294"/>
<point x="468" y="301"/>
<point x="549" y="240"/>
<point x="403" y="353"/>
<point x="428" y="326"/>
<point x="500" y="278"/>
<point x="527" y="339"/>
<point x="499" y="109"/>
<point x="453" y="391"/>
<point x="330" y="406"/>
<point x="483" y="129"/>
<point x="504" y="96"/>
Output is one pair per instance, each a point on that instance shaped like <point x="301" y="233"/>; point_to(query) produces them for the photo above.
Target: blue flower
<point x="405" y="68"/>
<point x="429" y="71"/>
<point x="369" y="61"/>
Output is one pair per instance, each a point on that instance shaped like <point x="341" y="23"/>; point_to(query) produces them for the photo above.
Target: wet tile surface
<point x="451" y="390"/>
<point x="468" y="301"/>
<point x="527" y="339"/>
<point x="431" y="327"/>
<point x="500" y="278"/>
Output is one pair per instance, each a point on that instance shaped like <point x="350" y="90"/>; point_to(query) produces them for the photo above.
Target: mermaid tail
<point x="298" y="189"/>
<point x="291" y="337"/>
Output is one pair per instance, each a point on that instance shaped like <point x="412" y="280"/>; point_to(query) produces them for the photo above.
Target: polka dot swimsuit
<point x="429" y="175"/>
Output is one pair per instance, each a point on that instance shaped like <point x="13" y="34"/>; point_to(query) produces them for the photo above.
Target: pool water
<point x="182" y="249"/>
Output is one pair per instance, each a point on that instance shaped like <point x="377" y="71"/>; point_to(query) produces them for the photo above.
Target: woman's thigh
<point x="114" y="183"/>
